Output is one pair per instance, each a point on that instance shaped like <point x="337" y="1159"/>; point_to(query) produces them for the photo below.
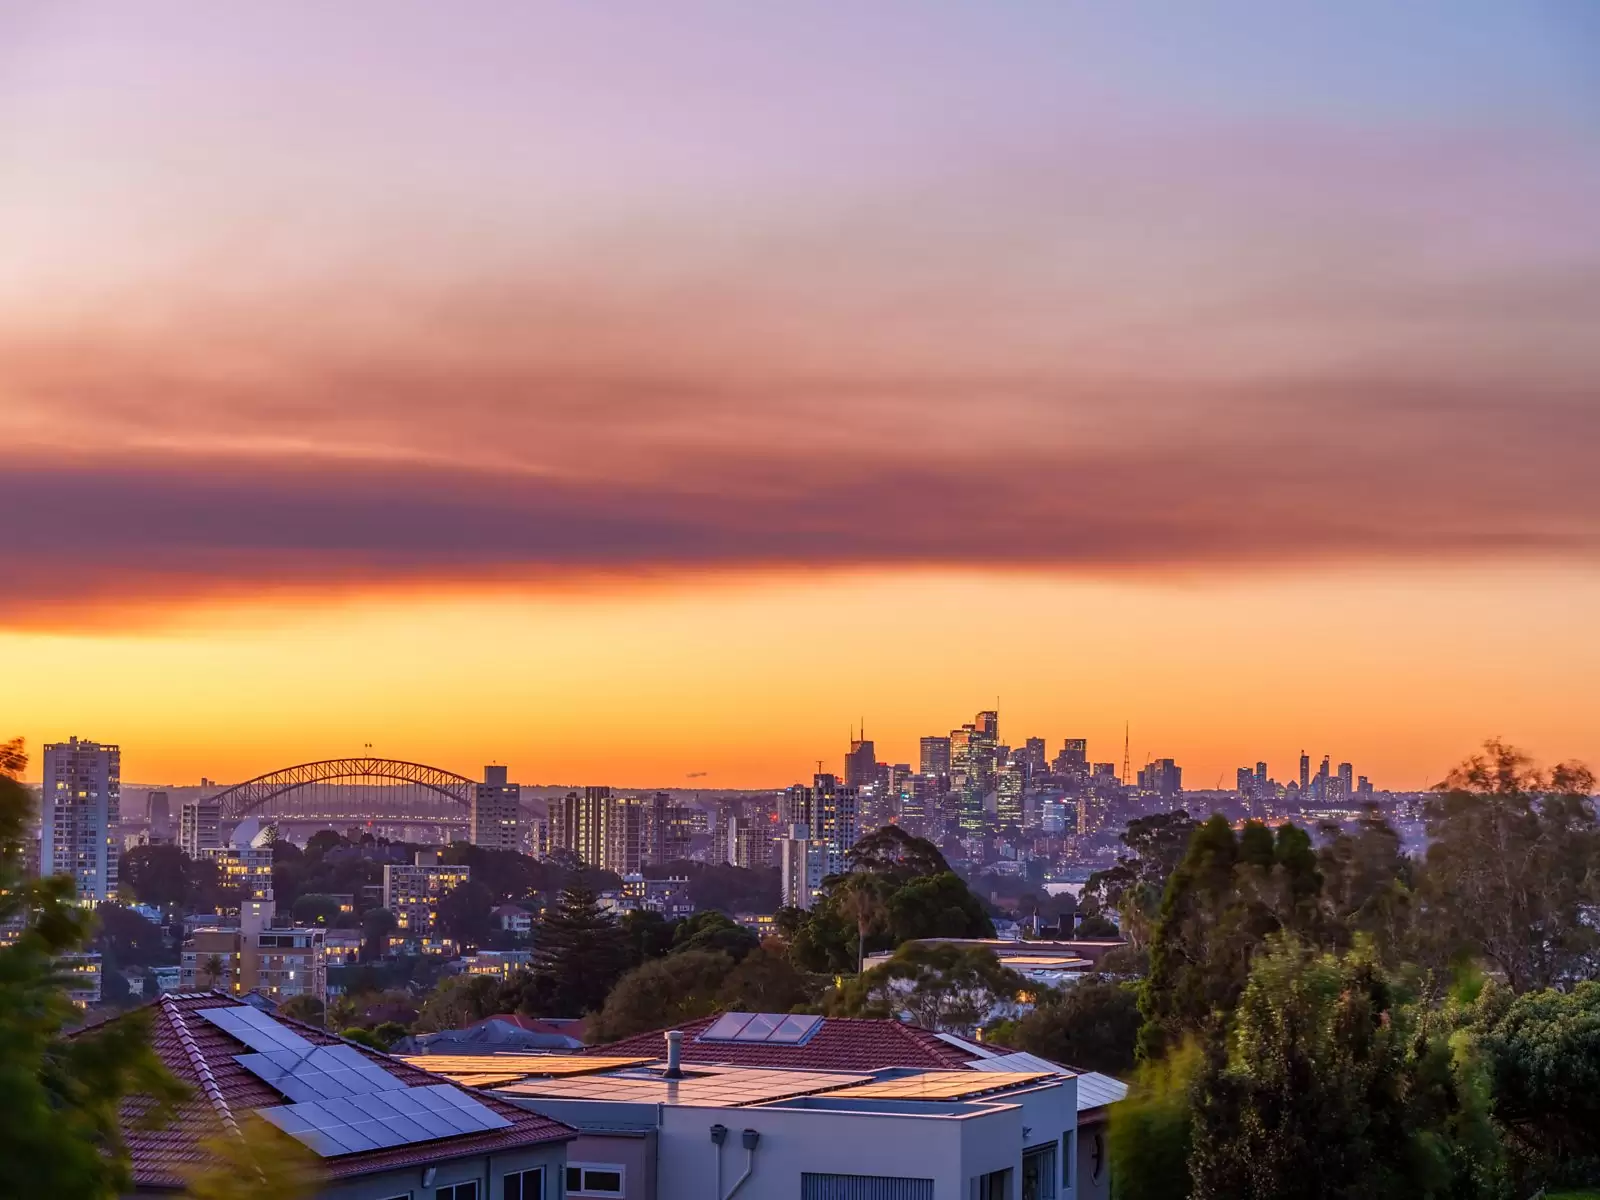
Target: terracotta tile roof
<point x="201" y="1054"/>
<point x="839" y="1044"/>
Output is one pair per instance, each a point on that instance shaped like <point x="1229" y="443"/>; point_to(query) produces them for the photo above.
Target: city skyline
<point x="424" y="395"/>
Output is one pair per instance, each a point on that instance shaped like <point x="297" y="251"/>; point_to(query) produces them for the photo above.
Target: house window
<point x="1039" y="1173"/>
<point x="996" y="1185"/>
<point x="523" y="1185"/>
<point x="457" y="1191"/>
<point x="594" y="1179"/>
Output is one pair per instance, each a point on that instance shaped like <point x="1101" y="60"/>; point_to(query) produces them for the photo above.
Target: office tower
<point x="1091" y="813"/>
<point x="1363" y="786"/>
<point x="1347" y="782"/>
<point x="624" y="835"/>
<point x="199" y="826"/>
<point x="496" y="812"/>
<point x="1246" y="781"/>
<point x="1013" y="782"/>
<point x="988" y="724"/>
<point x="158" y="815"/>
<point x="935" y="756"/>
<point x="1073" y="758"/>
<point x="1033" y="757"/>
<point x="1305" y="772"/>
<point x="1261" y="775"/>
<point x="1319" y="785"/>
<point x="578" y="824"/>
<point x="411" y="891"/>
<point x="1161" y="777"/>
<point x="861" y="764"/>
<point x="80" y="811"/>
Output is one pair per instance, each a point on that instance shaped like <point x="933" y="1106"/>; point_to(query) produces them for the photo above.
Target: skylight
<point x="776" y="1029"/>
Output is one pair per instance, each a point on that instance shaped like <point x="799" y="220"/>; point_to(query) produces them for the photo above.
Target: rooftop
<point x="185" y="1033"/>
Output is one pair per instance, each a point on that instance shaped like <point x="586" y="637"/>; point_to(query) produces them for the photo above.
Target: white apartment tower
<point x="80" y="812"/>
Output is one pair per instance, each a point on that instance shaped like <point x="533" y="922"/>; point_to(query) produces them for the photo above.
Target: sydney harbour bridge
<point x="341" y="792"/>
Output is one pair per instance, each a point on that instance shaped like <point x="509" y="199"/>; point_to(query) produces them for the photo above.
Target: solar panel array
<point x="342" y="1101"/>
<point x="461" y="1067"/>
<point x="713" y="1090"/>
<point x="382" y="1119"/>
<point x="943" y="1085"/>
<point x="780" y="1029"/>
<point x="320" y="1073"/>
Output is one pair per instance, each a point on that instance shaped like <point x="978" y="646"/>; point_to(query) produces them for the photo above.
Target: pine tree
<point x="579" y="954"/>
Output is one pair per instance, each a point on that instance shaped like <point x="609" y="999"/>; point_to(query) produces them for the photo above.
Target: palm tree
<point x="863" y="897"/>
<point x="212" y="969"/>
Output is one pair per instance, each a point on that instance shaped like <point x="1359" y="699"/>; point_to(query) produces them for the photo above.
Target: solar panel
<point x="942" y="1085"/>
<point x="775" y="1028"/>
<point x="332" y="1127"/>
<point x="461" y="1067"/>
<point x="321" y="1072"/>
<point x="731" y="1088"/>
<point x="255" y="1029"/>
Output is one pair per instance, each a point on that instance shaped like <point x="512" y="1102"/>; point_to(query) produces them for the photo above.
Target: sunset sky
<point x="625" y="392"/>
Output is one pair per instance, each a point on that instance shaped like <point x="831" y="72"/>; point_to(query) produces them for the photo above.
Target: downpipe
<point x="751" y="1138"/>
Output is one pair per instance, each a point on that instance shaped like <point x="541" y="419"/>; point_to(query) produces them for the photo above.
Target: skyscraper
<point x="1305" y="772"/>
<point x="935" y="756"/>
<point x="496" y="812"/>
<point x="1246" y="781"/>
<point x="1032" y="757"/>
<point x="1161" y="777"/>
<point x="624" y="835"/>
<point x="82" y="798"/>
<point x="833" y="809"/>
<point x="1074" y="757"/>
<point x="1347" y="776"/>
<point x="861" y="764"/>
<point x="1008" y="800"/>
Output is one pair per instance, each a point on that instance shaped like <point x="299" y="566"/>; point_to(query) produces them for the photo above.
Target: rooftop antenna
<point x="1127" y="760"/>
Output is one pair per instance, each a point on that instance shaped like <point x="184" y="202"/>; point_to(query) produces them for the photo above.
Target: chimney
<point x="674" y="1054"/>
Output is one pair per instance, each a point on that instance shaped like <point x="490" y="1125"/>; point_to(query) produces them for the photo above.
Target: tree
<point x="1093" y="1025"/>
<point x="305" y="1008"/>
<point x="889" y="851"/>
<point x="579" y="954"/>
<point x="940" y="986"/>
<point x="648" y="935"/>
<point x="1151" y="1133"/>
<point x="1330" y="1085"/>
<point x="212" y="969"/>
<point x="322" y="841"/>
<point x="711" y="930"/>
<point x="1542" y="1050"/>
<point x="458" y="1002"/>
<point x="129" y="939"/>
<point x="1508" y="874"/>
<point x="315" y="908"/>
<point x="1367" y="887"/>
<point x="464" y="913"/>
<point x="1134" y="887"/>
<point x="257" y="1163"/>
<point x="940" y="905"/>
<point x="863" y="898"/>
<point x="156" y="875"/>
<point x="61" y="1099"/>
<point x="1224" y="899"/>
<point x="376" y="926"/>
<point x="663" y="992"/>
<point x="766" y="981"/>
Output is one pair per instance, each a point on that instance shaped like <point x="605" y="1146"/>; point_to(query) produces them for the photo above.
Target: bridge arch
<point x="251" y="796"/>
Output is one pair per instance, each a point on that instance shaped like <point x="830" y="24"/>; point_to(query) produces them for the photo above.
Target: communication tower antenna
<point x="1127" y="759"/>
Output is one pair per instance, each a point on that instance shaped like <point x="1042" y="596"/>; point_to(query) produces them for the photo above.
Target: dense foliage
<point x="1301" y="1036"/>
